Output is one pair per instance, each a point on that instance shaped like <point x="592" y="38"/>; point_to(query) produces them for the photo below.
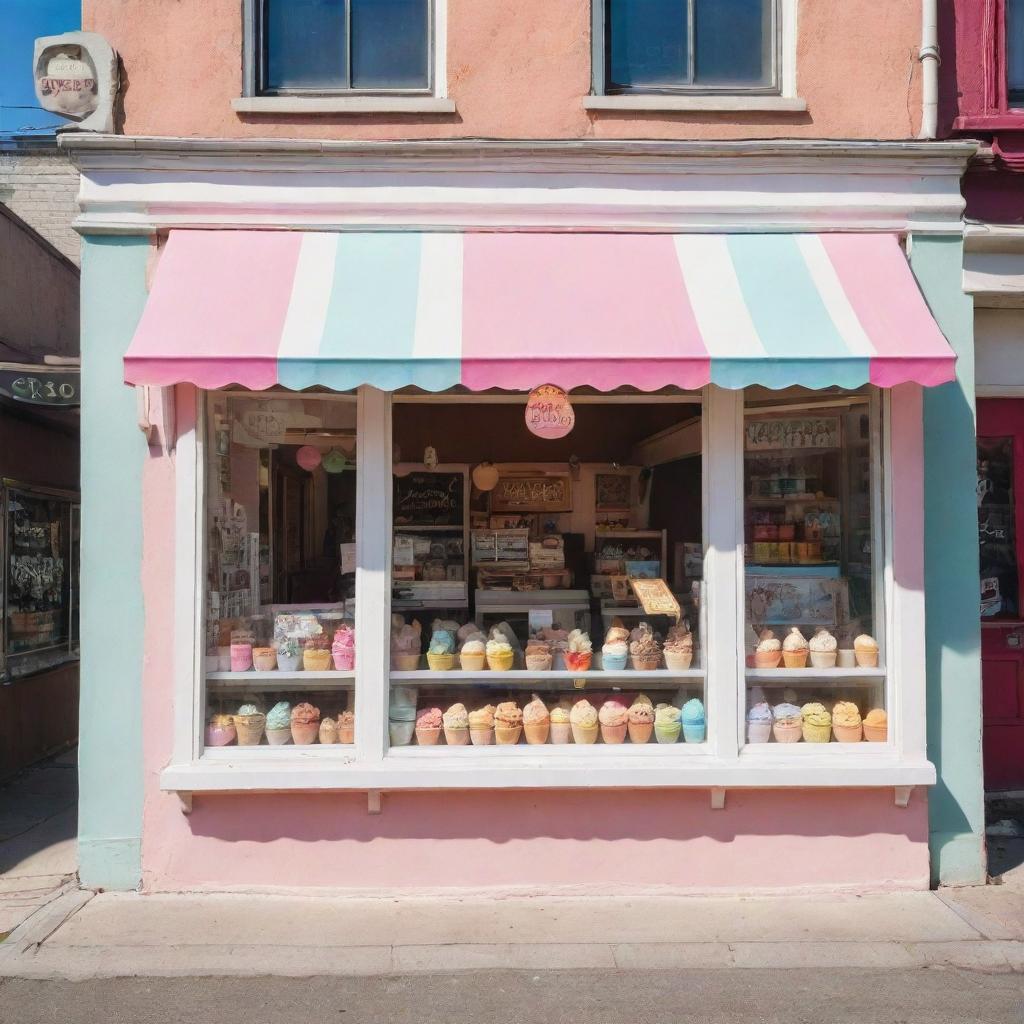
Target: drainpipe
<point x="929" y="58"/>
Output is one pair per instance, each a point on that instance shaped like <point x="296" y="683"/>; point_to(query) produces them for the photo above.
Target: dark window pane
<point x="733" y="42"/>
<point x="389" y="44"/>
<point x="647" y="43"/>
<point x="1015" y="51"/>
<point x="305" y="44"/>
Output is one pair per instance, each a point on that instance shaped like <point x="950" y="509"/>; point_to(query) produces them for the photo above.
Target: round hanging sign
<point x="549" y="413"/>
<point x="308" y="457"/>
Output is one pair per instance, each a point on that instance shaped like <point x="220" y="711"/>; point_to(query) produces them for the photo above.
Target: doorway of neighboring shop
<point x="1000" y="530"/>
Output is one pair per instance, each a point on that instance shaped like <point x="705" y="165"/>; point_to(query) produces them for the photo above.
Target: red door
<point x="1000" y="536"/>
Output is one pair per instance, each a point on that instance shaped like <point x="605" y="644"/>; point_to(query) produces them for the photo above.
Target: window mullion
<point x="723" y="566"/>
<point x="691" y="47"/>
<point x="348" y="43"/>
<point x="373" y="573"/>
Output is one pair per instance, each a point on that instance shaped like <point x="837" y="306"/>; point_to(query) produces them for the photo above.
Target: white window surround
<point x="720" y="763"/>
<point x="435" y="101"/>
<point x="783" y="100"/>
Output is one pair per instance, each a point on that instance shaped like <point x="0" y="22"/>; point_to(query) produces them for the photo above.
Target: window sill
<point x="320" y="769"/>
<point x="343" y="105"/>
<point x="659" y="103"/>
<point x="1010" y="120"/>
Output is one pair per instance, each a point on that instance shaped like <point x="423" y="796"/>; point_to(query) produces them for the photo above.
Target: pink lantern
<point x="549" y="413"/>
<point x="308" y="457"/>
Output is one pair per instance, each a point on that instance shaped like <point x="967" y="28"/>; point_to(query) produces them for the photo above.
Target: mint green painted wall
<point x="113" y="452"/>
<point x="956" y="804"/>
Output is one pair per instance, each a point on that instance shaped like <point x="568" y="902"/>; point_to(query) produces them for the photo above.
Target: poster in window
<point x="997" y="542"/>
<point x="613" y="492"/>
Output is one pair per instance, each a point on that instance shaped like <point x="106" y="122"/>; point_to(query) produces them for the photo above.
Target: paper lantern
<point x="485" y="477"/>
<point x="335" y="461"/>
<point x="308" y="457"/>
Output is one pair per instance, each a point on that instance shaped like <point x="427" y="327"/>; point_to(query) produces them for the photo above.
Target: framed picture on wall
<point x="613" y="492"/>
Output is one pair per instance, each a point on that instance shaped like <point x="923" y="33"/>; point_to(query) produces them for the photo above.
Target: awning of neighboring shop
<point x="515" y="310"/>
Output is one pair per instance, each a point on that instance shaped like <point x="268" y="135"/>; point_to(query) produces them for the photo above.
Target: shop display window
<point x="813" y="646"/>
<point x="547" y="591"/>
<point x="280" y="558"/>
<point x="41" y="581"/>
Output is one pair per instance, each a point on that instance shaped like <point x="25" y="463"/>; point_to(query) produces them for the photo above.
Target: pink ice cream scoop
<point x="343" y="650"/>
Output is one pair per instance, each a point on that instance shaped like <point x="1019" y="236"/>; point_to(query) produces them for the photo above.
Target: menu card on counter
<point x="655" y="597"/>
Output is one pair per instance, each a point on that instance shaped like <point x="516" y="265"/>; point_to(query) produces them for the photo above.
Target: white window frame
<point x="719" y="764"/>
<point x="781" y="97"/>
<point x="430" y="100"/>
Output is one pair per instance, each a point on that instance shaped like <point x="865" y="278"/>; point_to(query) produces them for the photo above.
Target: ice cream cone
<point x="537" y="732"/>
<point x="279" y="737"/>
<point x="677" y="662"/>
<point x="500" y="662"/>
<point x="640" y="732"/>
<point x="538" y="662"/>
<point x="614" y="733"/>
<point x="316" y="660"/>
<point x="795" y="659"/>
<point x="767" y="659"/>
<point x="823" y="659"/>
<point x="305" y="733"/>
<point x="427" y="737"/>
<point x="866" y="659"/>
<point x="264" y="659"/>
<point x="344" y="661"/>
<point x="576" y="661"/>
<point x="441" y="662"/>
<point x="848" y="733"/>
<point x="250" y="729"/>
<point x="759" y="732"/>
<point x="788" y="732"/>
<point x="456" y="737"/>
<point x="561" y="732"/>
<point x="482" y="737"/>
<point x="668" y="733"/>
<point x="507" y="735"/>
<point x="876" y="733"/>
<point x="645" y="664"/>
<point x="584" y="733"/>
<point x="473" y="662"/>
<point x="346" y="733"/>
<point x="328" y="732"/>
<point x="817" y="733"/>
<point x="405" y="662"/>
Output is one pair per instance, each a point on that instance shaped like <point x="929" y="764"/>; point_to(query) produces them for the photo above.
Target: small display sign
<point x="41" y="386"/>
<point x="655" y="597"/>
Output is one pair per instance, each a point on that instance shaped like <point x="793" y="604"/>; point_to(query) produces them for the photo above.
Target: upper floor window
<point x="690" y="45"/>
<point x="330" y="46"/>
<point x="1015" y="52"/>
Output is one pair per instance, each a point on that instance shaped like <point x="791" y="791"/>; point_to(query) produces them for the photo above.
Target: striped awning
<point x="515" y="310"/>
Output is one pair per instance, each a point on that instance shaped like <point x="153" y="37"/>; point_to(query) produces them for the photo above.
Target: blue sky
<point x="21" y="21"/>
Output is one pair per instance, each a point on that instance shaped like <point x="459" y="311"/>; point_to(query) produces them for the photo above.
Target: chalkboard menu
<point x="429" y="499"/>
<point x="997" y="540"/>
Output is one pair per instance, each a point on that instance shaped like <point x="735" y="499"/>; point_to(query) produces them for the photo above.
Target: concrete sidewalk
<point x="81" y="935"/>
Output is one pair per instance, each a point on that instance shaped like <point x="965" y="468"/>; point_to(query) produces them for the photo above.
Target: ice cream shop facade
<point x="526" y="516"/>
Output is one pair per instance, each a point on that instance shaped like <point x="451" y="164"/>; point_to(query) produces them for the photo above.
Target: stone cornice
<point x="133" y="185"/>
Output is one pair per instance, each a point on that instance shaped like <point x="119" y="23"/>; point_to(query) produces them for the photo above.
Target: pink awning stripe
<point x="603" y="310"/>
<point x="881" y="288"/>
<point x="216" y="310"/>
<point x="513" y="310"/>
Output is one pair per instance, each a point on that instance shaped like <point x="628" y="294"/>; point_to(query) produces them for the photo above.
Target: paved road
<point x="921" y="996"/>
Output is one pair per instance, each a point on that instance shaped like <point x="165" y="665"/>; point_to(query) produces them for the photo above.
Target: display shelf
<point x="788" y="565"/>
<point x="753" y="453"/>
<point x="783" y="499"/>
<point x="286" y="682"/>
<point x="815" y="676"/>
<point x="432" y="528"/>
<point x="279" y="674"/>
<point x="523" y="676"/>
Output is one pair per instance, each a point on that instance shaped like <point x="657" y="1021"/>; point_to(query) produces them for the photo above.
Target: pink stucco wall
<point x="516" y="69"/>
<point x="535" y="840"/>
